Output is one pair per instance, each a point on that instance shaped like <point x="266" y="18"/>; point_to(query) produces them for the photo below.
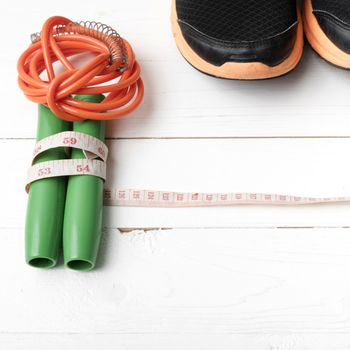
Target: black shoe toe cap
<point x="270" y="51"/>
<point x="336" y="29"/>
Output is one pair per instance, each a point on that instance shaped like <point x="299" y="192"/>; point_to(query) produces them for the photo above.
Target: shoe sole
<point x="319" y="40"/>
<point x="236" y="70"/>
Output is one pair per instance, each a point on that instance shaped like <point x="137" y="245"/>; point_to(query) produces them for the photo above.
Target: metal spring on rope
<point x="97" y="30"/>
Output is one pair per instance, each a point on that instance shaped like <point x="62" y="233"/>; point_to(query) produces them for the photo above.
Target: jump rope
<point x="66" y="188"/>
<point x="66" y="194"/>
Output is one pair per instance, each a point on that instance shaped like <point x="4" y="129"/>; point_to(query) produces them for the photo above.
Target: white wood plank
<point x="180" y="102"/>
<point x="318" y="341"/>
<point x="285" y="166"/>
<point x="270" y="286"/>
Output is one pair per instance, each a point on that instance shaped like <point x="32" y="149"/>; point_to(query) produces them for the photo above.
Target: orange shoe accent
<point x="236" y="70"/>
<point x="319" y="40"/>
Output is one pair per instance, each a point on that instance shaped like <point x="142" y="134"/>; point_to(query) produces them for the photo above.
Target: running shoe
<point x="239" y="39"/>
<point x="327" y="27"/>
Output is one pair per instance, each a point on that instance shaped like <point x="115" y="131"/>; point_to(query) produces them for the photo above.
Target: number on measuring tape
<point x="70" y="141"/>
<point x="101" y="152"/>
<point x="83" y="169"/>
<point x="44" y="172"/>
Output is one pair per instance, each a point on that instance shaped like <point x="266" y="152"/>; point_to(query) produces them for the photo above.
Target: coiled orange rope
<point x="122" y="96"/>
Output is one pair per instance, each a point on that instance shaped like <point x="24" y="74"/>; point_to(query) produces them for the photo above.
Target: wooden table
<point x="244" y="277"/>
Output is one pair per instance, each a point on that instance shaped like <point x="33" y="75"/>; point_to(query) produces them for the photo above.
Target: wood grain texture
<point x="267" y="286"/>
<point x="318" y="341"/>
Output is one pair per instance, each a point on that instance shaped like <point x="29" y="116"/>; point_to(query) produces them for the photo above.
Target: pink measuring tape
<point x="94" y="148"/>
<point x="163" y="199"/>
<point x="91" y="147"/>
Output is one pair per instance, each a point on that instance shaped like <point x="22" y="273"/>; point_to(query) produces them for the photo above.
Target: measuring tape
<point x="91" y="147"/>
<point x="94" y="148"/>
<point x="162" y="199"/>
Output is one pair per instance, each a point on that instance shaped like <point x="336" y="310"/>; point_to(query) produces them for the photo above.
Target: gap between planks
<point x="198" y="138"/>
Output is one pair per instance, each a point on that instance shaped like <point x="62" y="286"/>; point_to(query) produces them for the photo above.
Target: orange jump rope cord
<point x="122" y="96"/>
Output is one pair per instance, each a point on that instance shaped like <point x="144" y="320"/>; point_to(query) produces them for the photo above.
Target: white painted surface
<point x="215" y="278"/>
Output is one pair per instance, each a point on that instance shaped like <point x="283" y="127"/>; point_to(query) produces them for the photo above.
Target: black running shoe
<point x="239" y="39"/>
<point x="327" y="27"/>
